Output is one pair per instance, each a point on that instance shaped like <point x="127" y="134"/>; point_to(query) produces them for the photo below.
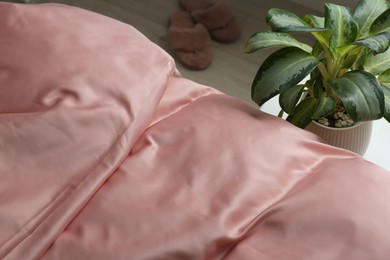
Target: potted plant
<point x="341" y="79"/>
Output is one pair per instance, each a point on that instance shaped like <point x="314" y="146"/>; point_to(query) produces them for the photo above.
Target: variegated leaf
<point x="283" y="21"/>
<point x="352" y="57"/>
<point x="317" y="49"/>
<point x="302" y="115"/>
<point x="289" y="98"/>
<point x="366" y="12"/>
<point x="363" y="54"/>
<point x="378" y="63"/>
<point x="317" y="87"/>
<point x="319" y="22"/>
<point x="315" y="21"/>
<point x="381" y="24"/>
<point x="386" y="92"/>
<point x="325" y="106"/>
<point x="282" y="70"/>
<point x="343" y="26"/>
<point x="384" y="78"/>
<point x="262" y="40"/>
<point x="377" y="43"/>
<point x="361" y="94"/>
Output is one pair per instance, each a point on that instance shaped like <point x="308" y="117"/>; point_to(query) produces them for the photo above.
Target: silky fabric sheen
<point x="108" y="153"/>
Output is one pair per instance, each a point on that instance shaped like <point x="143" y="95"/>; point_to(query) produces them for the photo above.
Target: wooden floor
<point x="231" y="71"/>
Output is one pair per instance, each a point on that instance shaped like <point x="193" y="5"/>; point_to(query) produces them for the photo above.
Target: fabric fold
<point x="73" y="103"/>
<point x="107" y="152"/>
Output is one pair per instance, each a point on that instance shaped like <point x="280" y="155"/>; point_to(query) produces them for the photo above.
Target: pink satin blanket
<point x="106" y="152"/>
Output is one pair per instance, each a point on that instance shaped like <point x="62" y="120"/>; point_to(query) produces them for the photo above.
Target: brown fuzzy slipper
<point x="190" y="41"/>
<point x="216" y="16"/>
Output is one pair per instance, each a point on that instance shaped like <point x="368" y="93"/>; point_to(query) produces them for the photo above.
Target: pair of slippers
<point x="190" y="31"/>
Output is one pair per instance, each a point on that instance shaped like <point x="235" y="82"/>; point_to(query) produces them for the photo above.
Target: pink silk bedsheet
<point x="106" y="152"/>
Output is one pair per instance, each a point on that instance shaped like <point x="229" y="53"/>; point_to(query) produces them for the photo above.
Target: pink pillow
<point x="77" y="90"/>
<point x="53" y="53"/>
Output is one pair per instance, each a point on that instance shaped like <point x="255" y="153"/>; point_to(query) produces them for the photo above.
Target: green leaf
<point x="303" y="113"/>
<point x="262" y="40"/>
<point x="384" y="78"/>
<point x="359" y="63"/>
<point x="381" y="24"/>
<point x="317" y="49"/>
<point x="325" y="106"/>
<point x="343" y="51"/>
<point x="343" y="26"/>
<point x="289" y="98"/>
<point x="282" y="70"/>
<point x="366" y="12"/>
<point x="314" y="21"/>
<point x="386" y="92"/>
<point x="377" y="43"/>
<point x="317" y="88"/>
<point x="378" y="63"/>
<point x="283" y="21"/>
<point x="322" y="36"/>
<point x="361" y="94"/>
<point x="351" y="58"/>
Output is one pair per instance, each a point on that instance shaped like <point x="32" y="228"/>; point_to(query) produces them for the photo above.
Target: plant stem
<point x="324" y="71"/>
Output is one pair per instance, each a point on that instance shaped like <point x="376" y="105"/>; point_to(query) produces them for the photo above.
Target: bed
<point x="107" y="152"/>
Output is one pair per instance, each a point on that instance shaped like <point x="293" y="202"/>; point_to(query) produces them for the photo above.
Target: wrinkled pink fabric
<point x="106" y="152"/>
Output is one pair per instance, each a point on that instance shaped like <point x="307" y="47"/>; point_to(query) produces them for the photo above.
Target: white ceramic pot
<point x="355" y="138"/>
